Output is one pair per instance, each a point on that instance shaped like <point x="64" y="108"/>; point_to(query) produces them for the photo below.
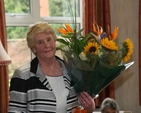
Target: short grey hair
<point x="39" y="27"/>
<point x="109" y="103"/>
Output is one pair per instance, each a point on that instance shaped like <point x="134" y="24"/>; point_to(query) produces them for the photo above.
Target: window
<point x="20" y="14"/>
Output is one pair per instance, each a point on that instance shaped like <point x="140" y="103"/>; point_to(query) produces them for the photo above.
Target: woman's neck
<point x="47" y="62"/>
<point x="51" y="67"/>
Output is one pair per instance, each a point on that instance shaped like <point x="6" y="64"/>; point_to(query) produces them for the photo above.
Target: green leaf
<point x="62" y="41"/>
<point x="70" y="33"/>
<point x="66" y="36"/>
<point x="79" y="32"/>
<point x="60" y="47"/>
<point x="86" y="38"/>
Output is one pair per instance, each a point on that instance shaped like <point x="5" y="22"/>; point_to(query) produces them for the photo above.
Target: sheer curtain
<point x="99" y="11"/>
<point x="3" y="69"/>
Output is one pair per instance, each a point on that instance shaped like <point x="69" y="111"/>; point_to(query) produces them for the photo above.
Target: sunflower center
<point x="92" y="49"/>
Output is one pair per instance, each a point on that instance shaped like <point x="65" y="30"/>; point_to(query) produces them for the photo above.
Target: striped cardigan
<point x="30" y="91"/>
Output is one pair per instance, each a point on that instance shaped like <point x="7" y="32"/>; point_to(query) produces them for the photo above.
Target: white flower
<point x="83" y="56"/>
<point x="100" y="53"/>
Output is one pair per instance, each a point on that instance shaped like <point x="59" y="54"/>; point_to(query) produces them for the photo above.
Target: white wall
<point x="125" y="14"/>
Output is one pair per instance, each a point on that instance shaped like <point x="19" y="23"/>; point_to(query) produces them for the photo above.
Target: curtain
<point x="3" y="69"/>
<point x="140" y="52"/>
<point x="99" y="11"/>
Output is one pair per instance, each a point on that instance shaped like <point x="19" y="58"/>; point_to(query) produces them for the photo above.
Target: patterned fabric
<point x="31" y="92"/>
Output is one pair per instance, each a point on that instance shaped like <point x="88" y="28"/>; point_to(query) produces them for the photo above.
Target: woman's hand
<point x="87" y="102"/>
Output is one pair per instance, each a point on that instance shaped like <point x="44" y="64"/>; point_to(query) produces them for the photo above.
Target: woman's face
<point x="44" y="46"/>
<point x="109" y="110"/>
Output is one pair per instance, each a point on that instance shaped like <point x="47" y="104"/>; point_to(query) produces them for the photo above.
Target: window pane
<point x="17" y="47"/>
<point x="59" y="8"/>
<point x="17" y="6"/>
<point x="14" y="32"/>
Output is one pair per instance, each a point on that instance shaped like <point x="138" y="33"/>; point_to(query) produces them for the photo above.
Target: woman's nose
<point x="46" y="44"/>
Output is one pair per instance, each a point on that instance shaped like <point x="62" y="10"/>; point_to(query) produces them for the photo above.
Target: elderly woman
<point x="109" y="105"/>
<point x="43" y="85"/>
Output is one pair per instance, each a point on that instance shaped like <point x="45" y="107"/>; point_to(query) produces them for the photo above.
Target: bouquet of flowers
<point x="94" y="60"/>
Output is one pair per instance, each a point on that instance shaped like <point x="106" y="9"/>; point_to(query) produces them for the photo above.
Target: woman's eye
<point x="40" y="42"/>
<point x="49" y="39"/>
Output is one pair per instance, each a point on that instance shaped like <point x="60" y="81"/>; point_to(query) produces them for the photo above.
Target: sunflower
<point x="109" y="44"/>
<point x="66" y="29"/>
<point x="128" y="45"/>
<point x="91" y="47"/>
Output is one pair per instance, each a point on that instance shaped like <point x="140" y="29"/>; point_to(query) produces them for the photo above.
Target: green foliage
<point x="62" y="8"/>
<point x="17" y="6"/>
<point x="56" y="7"/>
<point x="16" y="32"/>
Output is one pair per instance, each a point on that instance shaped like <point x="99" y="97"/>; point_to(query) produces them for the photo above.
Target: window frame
<point x="15" y="19"/>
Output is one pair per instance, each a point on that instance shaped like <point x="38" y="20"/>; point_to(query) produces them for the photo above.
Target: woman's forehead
<point x="42" y="36"/>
